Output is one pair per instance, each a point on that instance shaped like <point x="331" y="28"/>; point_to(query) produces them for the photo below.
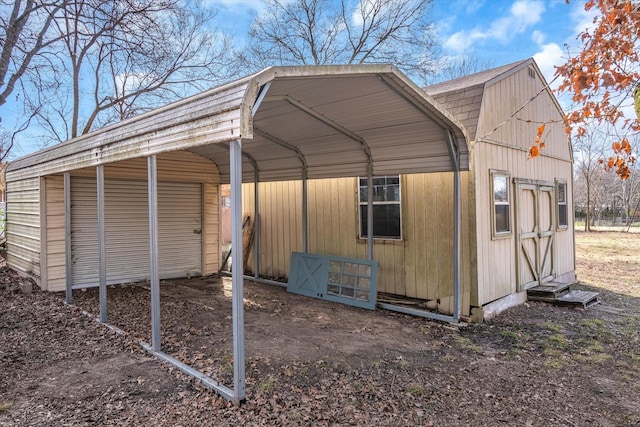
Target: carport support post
<point x="67" y="238"/>
<point x="153" y="252"/>
<point x="305" y="215"/>
<point x="256" y="226"/>
<point x="457" y="243"/>
<point x="102" y="257"/>
<point x="237" y="280"/>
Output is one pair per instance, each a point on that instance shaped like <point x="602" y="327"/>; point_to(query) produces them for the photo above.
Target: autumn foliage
<point x="603" y="76"/>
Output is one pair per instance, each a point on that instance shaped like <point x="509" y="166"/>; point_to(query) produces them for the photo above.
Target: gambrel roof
<point x="462" y="97"/>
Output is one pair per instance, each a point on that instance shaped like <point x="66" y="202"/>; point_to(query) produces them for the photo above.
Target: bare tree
<point x="453" y="67"/>
<point x="25" y="33"/>
<point x="87" y="63"/>
<point x="122" y="58"/>
<point x="588" y="152"/>
<point x="300" y="32"/>
<point x="626" y="193"/>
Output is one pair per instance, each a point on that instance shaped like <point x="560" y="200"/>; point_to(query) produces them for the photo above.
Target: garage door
<point x="127" y="230"/>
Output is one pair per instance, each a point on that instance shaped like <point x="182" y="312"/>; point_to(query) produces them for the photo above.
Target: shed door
<point x="536" y="234"/>
<point x="127" y="230"/>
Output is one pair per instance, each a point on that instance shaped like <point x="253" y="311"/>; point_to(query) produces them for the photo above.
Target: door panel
<point x="535" y="234"/>
<point x="127" y="230"/>
<point x="547" y="233"/>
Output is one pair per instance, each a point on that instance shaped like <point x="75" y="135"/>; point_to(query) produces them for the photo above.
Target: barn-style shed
<point x="140" y="199"/>
<point x="517" y="217"/>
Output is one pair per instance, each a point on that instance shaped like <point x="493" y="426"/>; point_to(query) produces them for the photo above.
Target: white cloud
<point x="550" y="56"/>
<point x="522" y="15"/>
<point x="582" y="20"/>
<point x="538" y="37"/>
<point x="462" y="40"/>
<point x="528" y="11"/>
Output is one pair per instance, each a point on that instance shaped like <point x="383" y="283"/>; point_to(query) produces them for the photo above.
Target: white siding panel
<point x="23" y="226"/>
<point x="127" y="230"/>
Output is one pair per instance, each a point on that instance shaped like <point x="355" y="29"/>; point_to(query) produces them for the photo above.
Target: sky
<point x="497" y="31"/>
<point x="500" y="31"/>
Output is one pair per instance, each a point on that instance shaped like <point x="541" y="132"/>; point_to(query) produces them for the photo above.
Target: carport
<point x="283" y="123"/>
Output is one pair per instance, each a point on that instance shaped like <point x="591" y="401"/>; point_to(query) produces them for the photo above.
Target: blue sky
<point x="502" y="31"/>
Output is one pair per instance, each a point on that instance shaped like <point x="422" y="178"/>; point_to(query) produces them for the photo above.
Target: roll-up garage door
<point x="127" y="230"/>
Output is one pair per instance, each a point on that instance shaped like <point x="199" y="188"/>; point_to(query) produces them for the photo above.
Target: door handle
<point x="197" y="231"/>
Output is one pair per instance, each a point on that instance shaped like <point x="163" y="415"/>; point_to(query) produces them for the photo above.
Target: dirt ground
<point x="312" y="362"/>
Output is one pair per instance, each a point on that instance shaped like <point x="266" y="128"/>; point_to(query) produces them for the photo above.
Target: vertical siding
<point x="54" y="234"/>
<point x="280" y="224"/>
<point x="506" y="149"/>
<point x="23" y="226"/>
<point x="211" y="229"/>
<point x="418" y="266"/>
<point x="428" y="234"/>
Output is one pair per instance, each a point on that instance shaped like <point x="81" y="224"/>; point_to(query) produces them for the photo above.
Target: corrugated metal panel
<point x="127" y="230"/>
<point x="23" y="226"/>
<point x="206" y="118"/>
<point x="53" y="278"/>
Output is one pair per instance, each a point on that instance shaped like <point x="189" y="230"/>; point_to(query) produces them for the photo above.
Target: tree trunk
<point x="587" y="223"/>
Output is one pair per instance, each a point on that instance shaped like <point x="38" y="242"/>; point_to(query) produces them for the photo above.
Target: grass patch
<point x="5" y="406"/>
<point x="267" y="385"/>
<point x="449" y="358"/>
<point x="467" y="344"/>
<point x="609" y="260"/>
<point x="552" y="326"/>
<point x="593" y="323"/>
<point x="416" y="390"/>
<point x="558" y="340"/>
<point x="555" y="363"/>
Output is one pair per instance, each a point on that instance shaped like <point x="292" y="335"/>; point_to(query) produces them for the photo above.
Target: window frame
<point x="398" y="202"/>
<point x="562" y="182"/>
<point x="495" y="234"/>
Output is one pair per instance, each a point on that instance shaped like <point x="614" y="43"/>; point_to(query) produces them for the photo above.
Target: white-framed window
<point x="501" y="203"/>
<point x="563" y="210"/>
<point x="387" y="215"/>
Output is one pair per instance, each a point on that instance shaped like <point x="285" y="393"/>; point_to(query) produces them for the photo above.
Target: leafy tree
<point x="603" y="76"/>
<point x="301" y="32"/>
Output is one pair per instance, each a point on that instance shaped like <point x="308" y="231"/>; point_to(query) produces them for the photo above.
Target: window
<point x="386" y="207"/>
<point x="561" y="191"/>
<point x="501" y="203"/>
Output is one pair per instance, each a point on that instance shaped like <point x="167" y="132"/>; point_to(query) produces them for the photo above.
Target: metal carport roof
<point x="336" y="118"/>
<point x="279" y="124"/>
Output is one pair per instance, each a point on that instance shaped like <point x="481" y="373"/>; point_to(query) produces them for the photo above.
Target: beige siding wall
<point x="418" y="266"/>
<point x="211" y="229"/>
<point x="506" y="149"/>
<point x="23" y="226"/>
<point x="280" y="217"/>
<point x="53" y="245"/>
<point x="24" y="213"/>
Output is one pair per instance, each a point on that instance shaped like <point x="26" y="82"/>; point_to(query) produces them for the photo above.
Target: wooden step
<point x="562" y="294"/>
<point x="576" y="297"/>
<point x="549" y="291"/>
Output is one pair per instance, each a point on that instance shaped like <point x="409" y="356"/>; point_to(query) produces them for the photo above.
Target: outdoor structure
<point x="517" y="217"/>
<point x="112" y="206"/>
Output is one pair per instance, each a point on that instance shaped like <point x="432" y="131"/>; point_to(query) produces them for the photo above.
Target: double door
<point x="535" y="233"/>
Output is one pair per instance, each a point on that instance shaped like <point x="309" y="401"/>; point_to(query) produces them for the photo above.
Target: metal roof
<point x="328" y="120"/>
<point x="471" y="80"/>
